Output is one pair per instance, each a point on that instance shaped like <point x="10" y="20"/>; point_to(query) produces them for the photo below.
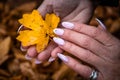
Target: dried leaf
<point x="27" y="6"/>
<point x="16" y="78"/>
<point x="115" y="26"/>
<point x="27" y="70"/>
<point x="14" y="66"/>
<point x="61" y="73"/>
<point x="4" y="73"/>
<point x="4" y="49"/>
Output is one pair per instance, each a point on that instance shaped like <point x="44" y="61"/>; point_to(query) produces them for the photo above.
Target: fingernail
<point x="62" y="57"/>
<point x="38" y="61"/>
<point x="23" y="49"/>
<point x="58" y="31"/>
<point x="19" y="28"/>
<point x="59" y="41"/>
<point x="68" y="25"/>
<point x="101" y="24"/>
<point x="51" y="59"/>
<point x="28" y="57"/>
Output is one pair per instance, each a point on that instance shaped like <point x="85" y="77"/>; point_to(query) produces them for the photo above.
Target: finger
<point x="32" y="52"/>
<point x="81" y="40"/>
<point x="54" y="54"/>
<point x="44" y="55"/>
<point x="101" y="26"/>
<point x="23" y="48"/>
<point x="96" y="33"/>
<point x="43" y="8"/>
<point x="81" y="53"/>
<point x="55" y="51"/>
<point x="83" y="70"/>
<point x="21" y="26"/>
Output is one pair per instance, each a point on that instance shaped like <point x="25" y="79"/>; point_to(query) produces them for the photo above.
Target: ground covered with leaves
<point x="14" y="66"/>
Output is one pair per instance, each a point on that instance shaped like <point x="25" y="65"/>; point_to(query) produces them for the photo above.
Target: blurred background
<point x="13" y="65"/>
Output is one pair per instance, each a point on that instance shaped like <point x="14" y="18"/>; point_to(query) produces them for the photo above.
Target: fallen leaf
<point x="4" y="49"/>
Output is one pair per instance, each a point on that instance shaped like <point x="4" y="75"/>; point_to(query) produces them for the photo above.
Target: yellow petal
<point x="52" y="20"/>
<point x="42" y="44"/>
<point x="40" y="30"/>
<point x="32" y="21"/>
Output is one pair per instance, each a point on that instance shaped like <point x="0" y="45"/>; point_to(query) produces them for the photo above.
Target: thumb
<point x="44" y="8"/>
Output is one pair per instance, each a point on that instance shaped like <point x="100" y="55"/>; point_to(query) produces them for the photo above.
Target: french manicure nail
<point x="23" y="49"/>
<point x="38" y="61"/>
<point x="19" y="28"/>
<point x="51" y="59"/>
<point x="28" y="57"/>
<point x="101" y="24"/>
<point x="58" y="31"/>
<point x="62" y="57"/>
<point x="68" y="25"/>
<point x="59" y="41"/>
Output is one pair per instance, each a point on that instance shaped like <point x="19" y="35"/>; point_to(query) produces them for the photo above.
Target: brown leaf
<point x="63" y="72"/>
<point x="4" y="49"/>
<point x="26" y="7"/>
<point x="4" y="73"/>
<point x="115" y="26"/>
<point x="14" y="66"/>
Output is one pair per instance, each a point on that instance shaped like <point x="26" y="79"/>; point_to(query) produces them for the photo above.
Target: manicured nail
<point x="58" y="31"/>
<point x="51" y="59"/>
<point x="68" y="25"/>
<point x="28" y="57"/>
<point x="101" y="24"/>
<point x="23" y="49"/>
<point x="19" y="28"/>
<point x="59" y="41"/>
<point x="38" y="61"/>
<point x="62" y="57"/>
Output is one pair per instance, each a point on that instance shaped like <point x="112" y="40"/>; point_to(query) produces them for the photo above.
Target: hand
<point x="68" y="10"/>
<point x="93" y="46"/>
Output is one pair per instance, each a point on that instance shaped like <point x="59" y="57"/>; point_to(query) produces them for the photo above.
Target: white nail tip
<point x="62" y="57"/>
<point x="51" y="59"/>
<point x="28" y="57"/>
<point x="101" y="24"/>
<point x="22" y="49"/>
<point x="59" y="41"/>
<point x="19" y="28"/>
<point x="38" y="62"/>
<point x="68" y="25"/>
<point x="58" y="31"/>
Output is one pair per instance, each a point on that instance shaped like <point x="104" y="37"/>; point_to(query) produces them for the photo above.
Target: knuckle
<point x="96" y="32"/>
<point x="66" y="33"/>
<point x="69" y="46"/>
<point x="79" y="28"/>
<point x="87" y="55"/>
<point x="85" y="42"/>
<point x="75" y="66"/>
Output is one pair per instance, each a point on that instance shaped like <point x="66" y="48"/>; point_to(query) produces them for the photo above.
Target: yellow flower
<point x="39" y="31"/>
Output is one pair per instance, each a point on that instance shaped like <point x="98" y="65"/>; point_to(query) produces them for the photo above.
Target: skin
<point x="94" y="46"/>
<point x="67" y="10"/>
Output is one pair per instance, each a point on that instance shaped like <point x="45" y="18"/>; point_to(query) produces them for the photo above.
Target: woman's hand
<point x="68" y="10"/>
<point x="93" y="46"/>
